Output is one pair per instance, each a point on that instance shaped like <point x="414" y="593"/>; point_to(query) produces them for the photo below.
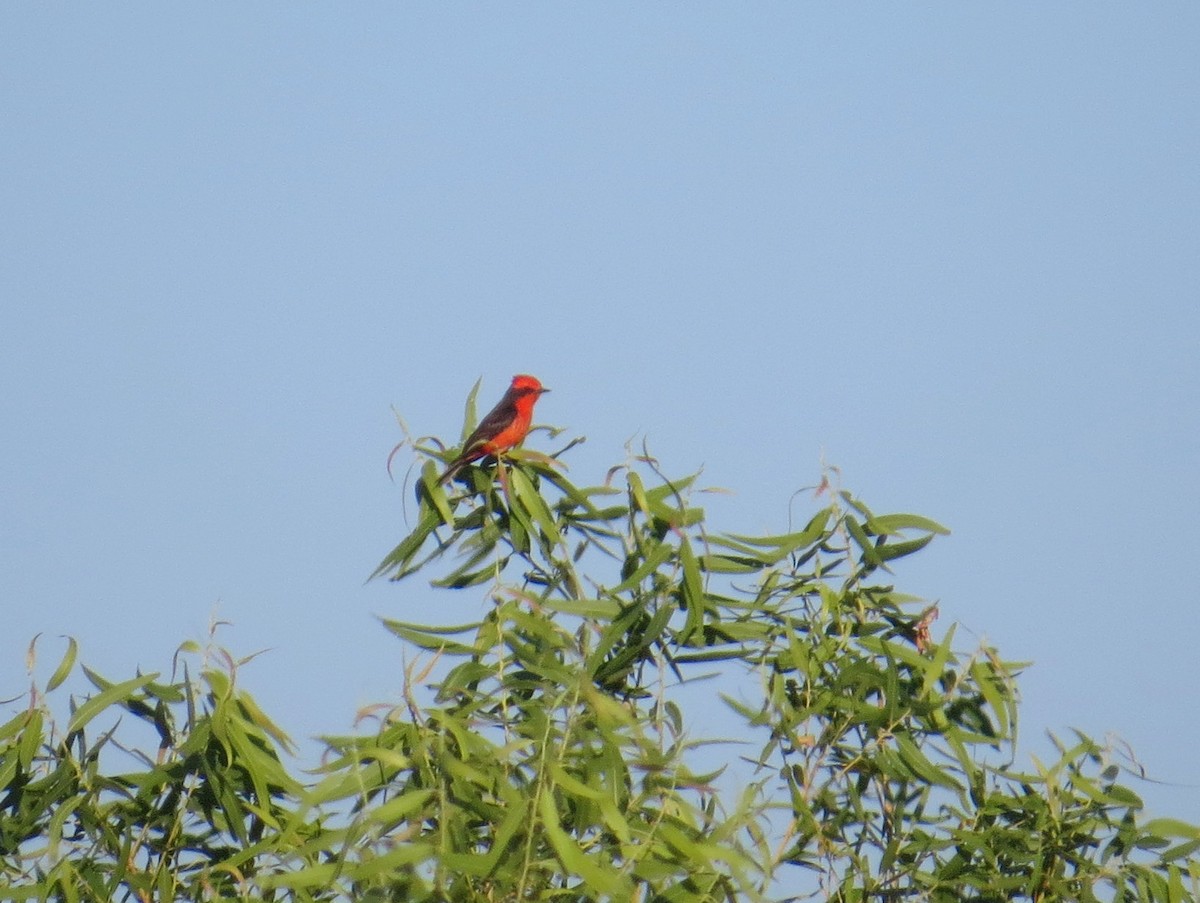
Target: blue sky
<point x="952" y="249"/>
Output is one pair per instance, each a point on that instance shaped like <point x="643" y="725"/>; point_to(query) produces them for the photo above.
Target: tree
<point x="557" y="749"/>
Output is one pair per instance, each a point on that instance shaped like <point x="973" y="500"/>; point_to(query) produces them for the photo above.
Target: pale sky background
<point x="954" y="249"/>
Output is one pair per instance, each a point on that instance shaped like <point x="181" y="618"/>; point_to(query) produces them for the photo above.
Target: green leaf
<point x="1181" y="851"/>
<point x="631" y="635"/>
<point x="572" y="785"/>
<point x="31" y="739"/>
<point x="692" y="591"/>
<point x="726" y="654"/>
<point x="464" y="576"/>
<point x="994" y="693"/>
<point x="637" y="493"/>
<point x="890" y="551"/>
<point x="596" y="609"/>
<point x="64" y="667"/>
<point x="319" y="875"/>
<point x="117" y="693"/>
<point x="1171" y="827"/>
<point x="1123" y="796"/>
<point x="528" y="498"/>
<point x="893" y="524"/>
<point x="657" y="498"/>
<point x="434" y="493"/>
<point x="576" y="862"/>
<point x="399" y="808"/>
<point x="917" y="762"/>
<point x="863" y="541"/>
<point x="401" y="557"/>
<point x="936" y="666"/>
<point x="432" y="638"/>
<point x="730" y="564"/>
<point x="257" y="717"/>
<point x="660" y="553"/>
<point x="785" y="544"/>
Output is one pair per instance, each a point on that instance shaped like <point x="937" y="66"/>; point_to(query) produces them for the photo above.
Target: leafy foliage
<point x="556" y="748"/>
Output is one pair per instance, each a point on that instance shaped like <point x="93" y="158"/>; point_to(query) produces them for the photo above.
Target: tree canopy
<point x="561" y="748"/>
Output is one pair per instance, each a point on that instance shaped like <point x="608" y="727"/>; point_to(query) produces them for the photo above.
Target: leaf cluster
<point x="559" y="747"/>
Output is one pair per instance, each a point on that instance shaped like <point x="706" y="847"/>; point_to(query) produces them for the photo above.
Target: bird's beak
<point x="543" y="391"/>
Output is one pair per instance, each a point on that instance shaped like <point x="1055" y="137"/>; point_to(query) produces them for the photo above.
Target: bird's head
<point x="527" y="385"/>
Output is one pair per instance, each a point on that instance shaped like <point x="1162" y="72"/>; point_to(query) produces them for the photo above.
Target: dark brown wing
<point x="491" y="425"/>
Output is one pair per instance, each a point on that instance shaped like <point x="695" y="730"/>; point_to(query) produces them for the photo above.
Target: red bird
<point x="503" y="428"/>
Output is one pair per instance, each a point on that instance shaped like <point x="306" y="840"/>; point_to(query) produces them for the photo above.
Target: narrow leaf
<point x="64" y="667"/>
<point x="117" y="693"/>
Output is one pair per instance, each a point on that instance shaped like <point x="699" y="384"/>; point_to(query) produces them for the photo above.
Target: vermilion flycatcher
<point x="503" y="428"/>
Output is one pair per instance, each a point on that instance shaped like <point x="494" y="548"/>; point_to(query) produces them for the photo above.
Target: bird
<point x="504" y="426"/>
